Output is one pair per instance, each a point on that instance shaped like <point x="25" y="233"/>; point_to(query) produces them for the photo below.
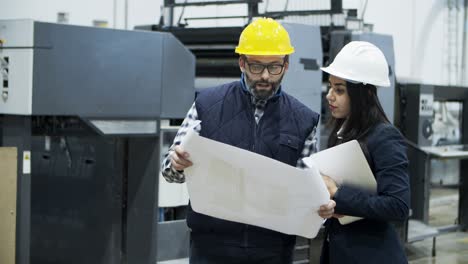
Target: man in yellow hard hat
<point x="254" y="114"/>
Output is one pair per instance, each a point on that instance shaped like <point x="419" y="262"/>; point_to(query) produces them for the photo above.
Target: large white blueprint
<point x="346" y="164"/>
<point x="238" y="185"/>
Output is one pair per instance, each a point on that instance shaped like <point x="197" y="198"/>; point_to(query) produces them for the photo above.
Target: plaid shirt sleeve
<point x="170" y="174"/>
<point x="310" y="146"/>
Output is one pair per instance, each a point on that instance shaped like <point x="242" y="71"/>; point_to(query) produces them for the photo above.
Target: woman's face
<point x="338" y="98"/>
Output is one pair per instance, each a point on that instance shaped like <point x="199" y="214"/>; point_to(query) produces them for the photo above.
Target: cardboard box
<point x="8" y="188"/>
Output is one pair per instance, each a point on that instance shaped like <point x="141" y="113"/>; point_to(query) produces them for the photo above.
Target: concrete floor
<point x="443" y="206"/>
<point x="451" y="248"/>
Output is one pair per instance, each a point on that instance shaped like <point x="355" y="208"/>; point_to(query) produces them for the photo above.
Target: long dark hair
<point x="366" y="112"/>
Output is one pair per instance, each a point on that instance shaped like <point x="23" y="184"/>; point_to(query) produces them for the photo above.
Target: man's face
<point x="264" y="83"/>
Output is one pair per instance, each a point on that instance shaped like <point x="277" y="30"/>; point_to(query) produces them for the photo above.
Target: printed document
<point x="237" y="185"/>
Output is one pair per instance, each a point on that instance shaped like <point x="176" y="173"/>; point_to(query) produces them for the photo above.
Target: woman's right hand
<point x="180" y="159"/>
<point x="326" y="211"/>
<point x="331" y="185"/>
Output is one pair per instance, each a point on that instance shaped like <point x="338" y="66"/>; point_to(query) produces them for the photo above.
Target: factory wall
<point x="428" y="35"/>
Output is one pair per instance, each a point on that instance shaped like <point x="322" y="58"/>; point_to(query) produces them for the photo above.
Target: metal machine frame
<point x="86" y="105"/>
<point x="415" y="128"/>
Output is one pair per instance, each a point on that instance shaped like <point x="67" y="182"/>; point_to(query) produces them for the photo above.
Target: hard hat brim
<point x="264" y="53"/>
<point x="346" y="77"/>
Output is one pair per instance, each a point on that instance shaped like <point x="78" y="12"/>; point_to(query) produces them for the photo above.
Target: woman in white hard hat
<point x="357" y="114"/>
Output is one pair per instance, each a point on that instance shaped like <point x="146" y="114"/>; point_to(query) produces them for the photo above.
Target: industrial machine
<point x="435" y="134"/>
<point x="84" y="106"/>
<point x="217" y="62"/>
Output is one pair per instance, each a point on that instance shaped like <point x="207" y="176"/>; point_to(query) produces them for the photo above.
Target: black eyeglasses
<point x="273" y="69"/>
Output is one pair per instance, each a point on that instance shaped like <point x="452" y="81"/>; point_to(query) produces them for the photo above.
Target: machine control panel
<point x="16" y="66"/>
<point x="4" y="63"/>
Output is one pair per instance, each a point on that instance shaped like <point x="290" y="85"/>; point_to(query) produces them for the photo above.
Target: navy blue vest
<point x="227" y="116"/>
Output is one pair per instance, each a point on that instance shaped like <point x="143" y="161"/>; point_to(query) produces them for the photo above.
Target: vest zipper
<point x="257" y="130"/>
<point x="254" y="131"/>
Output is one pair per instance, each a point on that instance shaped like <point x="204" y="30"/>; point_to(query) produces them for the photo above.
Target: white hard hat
<point x="362" y="62"/>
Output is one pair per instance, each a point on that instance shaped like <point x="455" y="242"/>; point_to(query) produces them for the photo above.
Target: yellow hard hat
<point x="264" y="36"/>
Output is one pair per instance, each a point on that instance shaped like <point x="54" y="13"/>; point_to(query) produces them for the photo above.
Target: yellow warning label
<point x="26" y="162"/>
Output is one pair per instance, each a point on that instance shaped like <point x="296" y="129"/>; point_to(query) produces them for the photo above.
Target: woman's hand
<point x="331" y="185"/>
<point x="326" y="211"/>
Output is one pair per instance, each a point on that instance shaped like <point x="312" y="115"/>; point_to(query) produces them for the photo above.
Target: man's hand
<point x="179" y="159"/>
<point x="331" y="185"/>
<point x="327" y="210"/>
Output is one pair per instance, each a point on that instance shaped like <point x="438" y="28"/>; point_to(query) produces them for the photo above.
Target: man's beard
<point x="263" y="94"/>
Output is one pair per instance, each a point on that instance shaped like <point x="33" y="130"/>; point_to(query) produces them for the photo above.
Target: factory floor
<point x="451" y="247"/>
